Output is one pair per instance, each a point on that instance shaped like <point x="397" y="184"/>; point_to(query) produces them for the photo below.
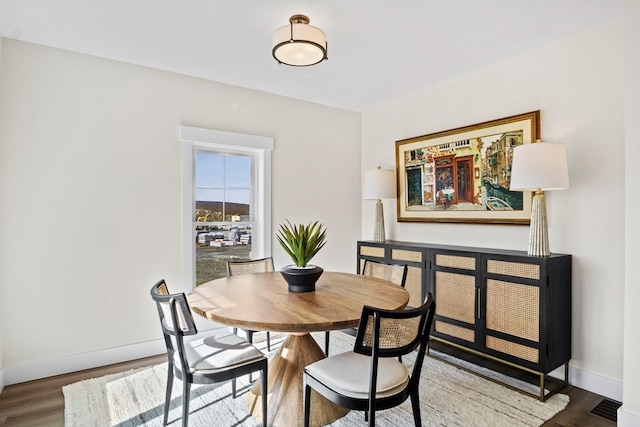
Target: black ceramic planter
<point x="301" y="279"/>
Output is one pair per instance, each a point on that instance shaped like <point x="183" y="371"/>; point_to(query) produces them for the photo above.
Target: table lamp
<point x="379" y="184"/>
<point x="539" y="167"/>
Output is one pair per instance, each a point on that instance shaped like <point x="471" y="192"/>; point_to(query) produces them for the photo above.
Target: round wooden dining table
<point x="262" y="302"/>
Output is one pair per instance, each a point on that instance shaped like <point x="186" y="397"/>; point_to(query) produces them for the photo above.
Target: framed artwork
<point x="463" y="174"/>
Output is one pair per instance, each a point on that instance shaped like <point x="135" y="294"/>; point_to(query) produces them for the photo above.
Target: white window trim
<point x="260" y="148"/>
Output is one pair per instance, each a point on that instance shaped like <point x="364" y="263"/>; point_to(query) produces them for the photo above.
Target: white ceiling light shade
<point x="299" y="44"/>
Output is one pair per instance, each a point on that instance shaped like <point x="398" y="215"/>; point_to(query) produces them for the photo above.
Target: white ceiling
<point x="379" y="51"/>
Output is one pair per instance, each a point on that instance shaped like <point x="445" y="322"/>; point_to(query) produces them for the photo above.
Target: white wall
<point x="578" y="85"/>
<point x="1" y="207"/>
<point x="629" y="413"/>
<point x="91" y="202"/>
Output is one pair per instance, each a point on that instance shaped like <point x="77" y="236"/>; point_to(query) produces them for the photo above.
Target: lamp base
<point x="378" y="230"/>
<point x="538" y="234"/>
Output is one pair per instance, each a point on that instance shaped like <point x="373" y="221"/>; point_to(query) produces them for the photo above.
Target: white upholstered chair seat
<point x="218" y="352"/>
<point x="350" y="373"/>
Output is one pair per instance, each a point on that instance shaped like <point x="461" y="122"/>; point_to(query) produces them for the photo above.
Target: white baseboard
<point x="78" y="362"/>
<point x="595" y="383"/>
<point x="627" y="419"/>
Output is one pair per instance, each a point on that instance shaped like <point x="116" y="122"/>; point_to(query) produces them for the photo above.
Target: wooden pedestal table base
<point x="286" y="388"/>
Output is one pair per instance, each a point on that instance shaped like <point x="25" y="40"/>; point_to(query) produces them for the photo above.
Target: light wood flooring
<point x="40" y="403"/>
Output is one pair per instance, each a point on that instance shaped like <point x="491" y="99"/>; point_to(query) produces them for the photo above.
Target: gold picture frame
<point x="438" y="179"/>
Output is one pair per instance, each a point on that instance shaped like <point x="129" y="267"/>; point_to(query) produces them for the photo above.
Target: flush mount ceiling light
<point x="299" y="44"/>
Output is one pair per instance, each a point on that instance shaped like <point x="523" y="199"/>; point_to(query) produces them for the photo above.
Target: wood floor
<point x="40" y="403"/>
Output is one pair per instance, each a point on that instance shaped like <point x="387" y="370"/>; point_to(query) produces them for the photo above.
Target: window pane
<point x="237" y="206"/>
<point x="208" y="205"/>
<point x="237" y="172"/>
<point x="209" y="170"/>
<point x="209" y="195"/>
<point x="216" y="245"/>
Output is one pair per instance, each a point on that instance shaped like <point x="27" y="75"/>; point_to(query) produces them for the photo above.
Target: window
<point x="226" y="200"/>
<point x="223" y="220"/>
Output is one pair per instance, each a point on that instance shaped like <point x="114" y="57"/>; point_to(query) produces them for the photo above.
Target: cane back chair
<point x="199" y="358"/>
<point x="395" y="273"/>
<point x="237" y="267"/>
<point x="370" y="378"/>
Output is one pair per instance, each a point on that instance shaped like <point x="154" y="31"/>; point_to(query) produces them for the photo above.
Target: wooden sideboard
<point x="502" y="305"/>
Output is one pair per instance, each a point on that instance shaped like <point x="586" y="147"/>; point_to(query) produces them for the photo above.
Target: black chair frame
<point x="370" y="405"/>
<point x="180" y="310"/>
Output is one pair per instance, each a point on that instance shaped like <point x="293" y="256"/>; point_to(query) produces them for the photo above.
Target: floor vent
<point x="607" y="409"/>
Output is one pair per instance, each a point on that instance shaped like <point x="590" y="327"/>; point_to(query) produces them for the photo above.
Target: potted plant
<point x="301" y="242"/>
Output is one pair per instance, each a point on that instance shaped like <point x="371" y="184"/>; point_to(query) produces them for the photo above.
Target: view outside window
<point x="222" y="212"/>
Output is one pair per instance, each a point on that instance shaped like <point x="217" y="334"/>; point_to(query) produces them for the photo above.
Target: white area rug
<point x="448" y="396"/>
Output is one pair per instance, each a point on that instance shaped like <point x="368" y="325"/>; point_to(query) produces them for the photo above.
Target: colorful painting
<point x="463" y="174"/>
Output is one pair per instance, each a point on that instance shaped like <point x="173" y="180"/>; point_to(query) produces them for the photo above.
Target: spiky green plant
<point x="301" y="241"/>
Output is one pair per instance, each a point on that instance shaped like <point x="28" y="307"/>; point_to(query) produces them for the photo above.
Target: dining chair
<point x="237" y="267"/>
<point x="247" y="266"/>
<point x="396" y="273"/>
<point x="199" y="358"/>
<point x="370" y="378"/>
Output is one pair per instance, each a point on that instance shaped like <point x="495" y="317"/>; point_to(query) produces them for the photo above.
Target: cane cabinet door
<point x="456" y="295"/>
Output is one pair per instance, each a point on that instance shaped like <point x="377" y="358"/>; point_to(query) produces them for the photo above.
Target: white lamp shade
<point x="299" y="44"/>
<point x="542" y="165"/>
<point x="379" y="184"/>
